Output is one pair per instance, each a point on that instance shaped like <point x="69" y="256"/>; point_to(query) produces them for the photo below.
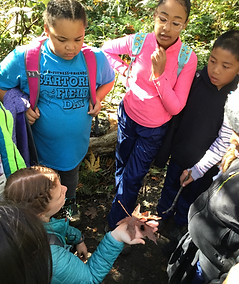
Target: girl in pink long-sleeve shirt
<point x="155" y="94"/>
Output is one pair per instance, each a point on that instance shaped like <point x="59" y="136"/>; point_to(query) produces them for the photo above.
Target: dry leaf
<point x="155" y="178"/>
<point x="91" y="212"/>
<point x="144" y="216"/>
<point x="93" y="165"/>
<point x="139" y="219"/>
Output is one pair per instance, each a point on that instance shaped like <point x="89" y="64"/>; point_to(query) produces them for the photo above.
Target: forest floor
<point x="145" y="263"/>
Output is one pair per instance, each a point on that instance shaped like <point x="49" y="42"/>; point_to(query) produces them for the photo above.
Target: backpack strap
<point x="54" y="240"/>
<point x="32" y="66"/>
<point x="91" y="65"/>
<point x="138" y="43"/>
<point x="183" y="57"/>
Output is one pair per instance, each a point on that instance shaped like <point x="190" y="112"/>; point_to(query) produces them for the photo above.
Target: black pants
<point x="70" y="180"/>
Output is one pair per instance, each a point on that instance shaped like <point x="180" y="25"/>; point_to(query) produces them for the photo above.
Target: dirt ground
<point x="145" y="263"/>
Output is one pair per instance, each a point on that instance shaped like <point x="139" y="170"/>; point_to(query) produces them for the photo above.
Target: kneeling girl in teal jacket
<point x="39" y="189"/>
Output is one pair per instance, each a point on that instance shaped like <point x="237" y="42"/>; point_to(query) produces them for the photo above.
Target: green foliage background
<point x="20" y="20"/>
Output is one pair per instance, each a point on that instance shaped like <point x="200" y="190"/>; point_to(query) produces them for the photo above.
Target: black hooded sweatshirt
<point x="200" y="120"/>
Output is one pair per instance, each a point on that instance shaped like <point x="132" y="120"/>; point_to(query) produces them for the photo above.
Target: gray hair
<point x="232" y="109"/>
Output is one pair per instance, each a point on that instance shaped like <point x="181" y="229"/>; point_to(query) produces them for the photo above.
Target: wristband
<point x="81" y="240"/>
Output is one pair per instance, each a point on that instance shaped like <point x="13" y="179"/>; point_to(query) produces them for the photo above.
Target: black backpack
<point x="182" y="263"/>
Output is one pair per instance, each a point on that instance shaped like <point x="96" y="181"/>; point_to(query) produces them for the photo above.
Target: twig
<point x="124" y="208"/>
<point x="178" y="194"/>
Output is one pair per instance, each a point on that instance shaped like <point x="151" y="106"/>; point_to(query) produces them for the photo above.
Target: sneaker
<point x="72" y="212"/>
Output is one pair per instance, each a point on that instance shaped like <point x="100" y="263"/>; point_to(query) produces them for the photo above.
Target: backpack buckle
<point x="33" y="74"/>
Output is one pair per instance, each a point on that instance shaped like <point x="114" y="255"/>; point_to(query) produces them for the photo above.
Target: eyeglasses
<point x="176" y="26"/>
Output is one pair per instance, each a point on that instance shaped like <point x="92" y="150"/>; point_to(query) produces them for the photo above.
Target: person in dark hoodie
<point x="198" y="127"/>
<point x="212" y="241"/>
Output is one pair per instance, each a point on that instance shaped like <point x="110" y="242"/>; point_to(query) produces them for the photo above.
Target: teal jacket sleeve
<point x="68" y="268"/>
<point x="73" y="235"/>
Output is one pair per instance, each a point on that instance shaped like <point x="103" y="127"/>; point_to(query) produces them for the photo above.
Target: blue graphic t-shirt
<point x="62" y="132"/>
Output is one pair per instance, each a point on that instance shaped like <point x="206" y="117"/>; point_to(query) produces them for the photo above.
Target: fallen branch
<point x="104" y="144"/>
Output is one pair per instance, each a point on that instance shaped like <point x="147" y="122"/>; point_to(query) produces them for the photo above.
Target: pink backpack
<point x="32" y="64"/>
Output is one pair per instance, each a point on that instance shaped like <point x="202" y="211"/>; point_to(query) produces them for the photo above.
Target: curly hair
<point x="31" y="187"/>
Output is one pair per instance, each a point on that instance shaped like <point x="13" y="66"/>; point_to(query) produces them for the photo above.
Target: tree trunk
<point x="103" y="145"/>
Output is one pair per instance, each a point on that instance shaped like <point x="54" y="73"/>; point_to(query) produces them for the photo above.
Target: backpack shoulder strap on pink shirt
<point x="32" y="65"/>
<point x="91" y="65"/>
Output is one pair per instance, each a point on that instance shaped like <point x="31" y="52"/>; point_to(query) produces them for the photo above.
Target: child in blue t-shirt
<point x="61" y="123"/>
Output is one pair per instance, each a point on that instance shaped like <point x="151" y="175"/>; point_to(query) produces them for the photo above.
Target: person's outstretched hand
<point x="121" y="234"/>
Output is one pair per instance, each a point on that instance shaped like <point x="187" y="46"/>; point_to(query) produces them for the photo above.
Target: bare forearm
<point x="103" y="90"/>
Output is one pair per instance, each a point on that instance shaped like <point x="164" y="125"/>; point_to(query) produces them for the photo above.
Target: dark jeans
<point x="70" y="179"/>
<point x="136" y="148"/>
<point x="188" y="195"/>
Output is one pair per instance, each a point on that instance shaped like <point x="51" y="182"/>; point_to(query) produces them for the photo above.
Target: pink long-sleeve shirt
<point x="151" y="103"/>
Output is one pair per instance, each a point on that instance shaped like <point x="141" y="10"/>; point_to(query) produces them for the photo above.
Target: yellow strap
<point x="227" y="180"/>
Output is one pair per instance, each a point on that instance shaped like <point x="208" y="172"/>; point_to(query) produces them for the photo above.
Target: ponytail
<point x="231" y="154"/>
